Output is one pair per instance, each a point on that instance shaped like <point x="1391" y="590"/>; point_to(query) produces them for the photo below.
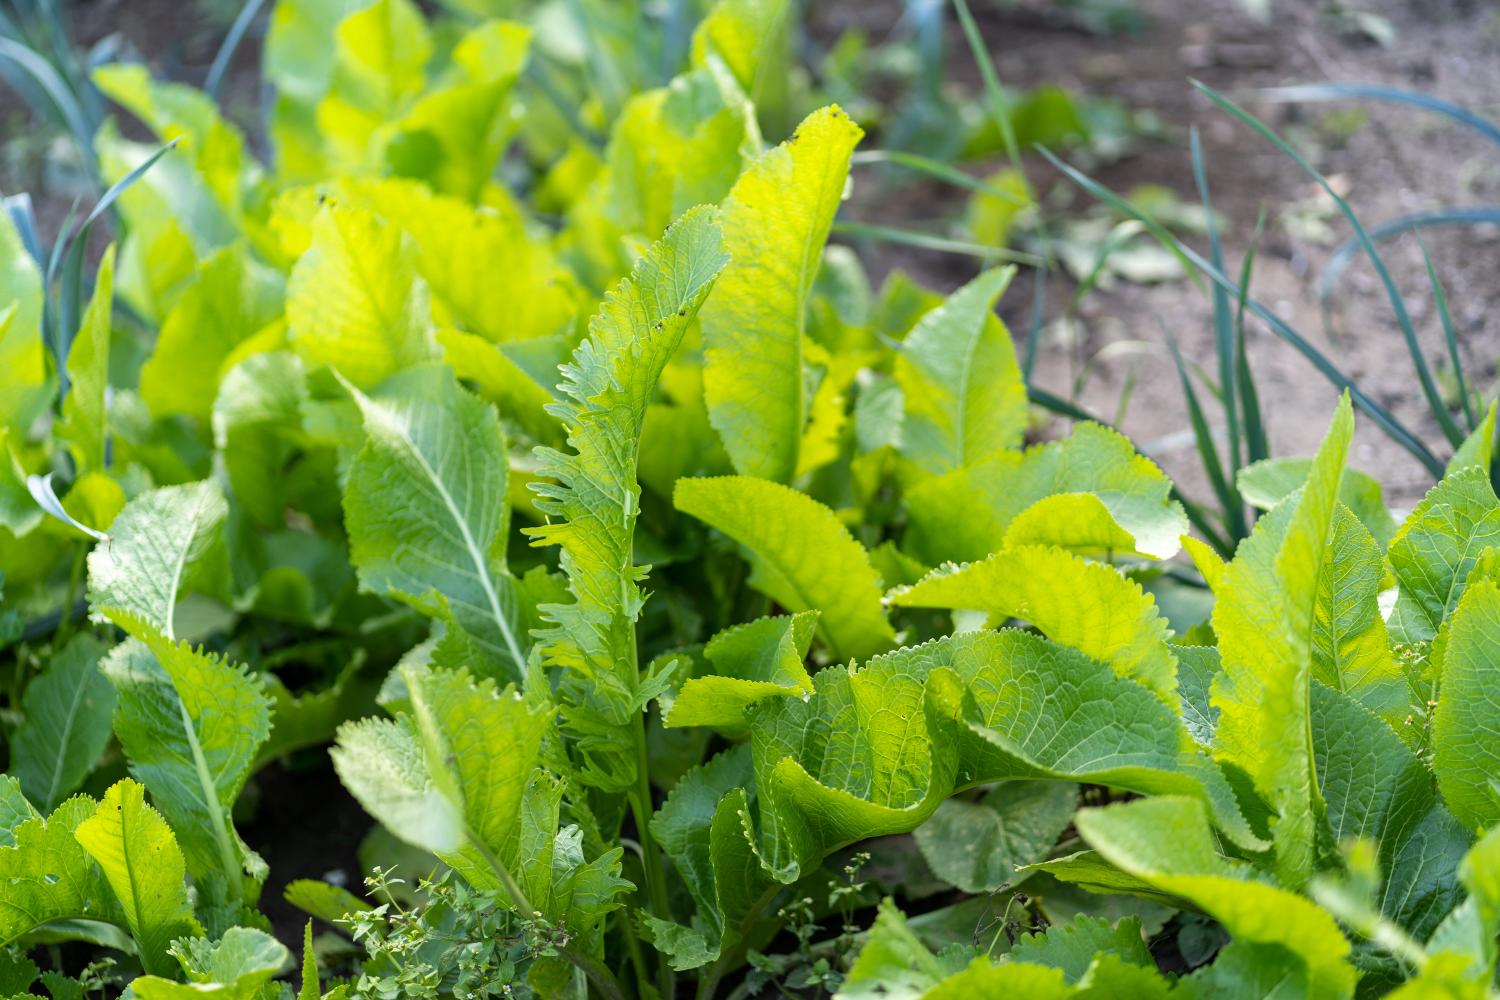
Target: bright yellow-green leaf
<point x="776" y="220"/>
<point x="1265" y="616"/>
<point x="84" y="423"/>
<point x="1466" y="726"/>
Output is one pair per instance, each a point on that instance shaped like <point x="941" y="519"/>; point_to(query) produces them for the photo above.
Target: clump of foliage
<point x="690" y="617"/>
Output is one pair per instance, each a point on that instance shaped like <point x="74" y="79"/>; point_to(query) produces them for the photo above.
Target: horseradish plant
<point x="646" y="665"/>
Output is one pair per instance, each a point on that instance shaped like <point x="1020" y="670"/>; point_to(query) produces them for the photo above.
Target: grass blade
<point x="1223" y="320"/>
<point x="69" y="111"/>
<point x="1446" y="318"/>
<point x="1256" y="445"/>
<point x="229" y="46"/>
<point x="939" y="170"/>
<point x="1340" y="259"/>
<point x="999" y="106"/>
<point x="1229" y="500"/>
<point x="1397" y="431"/>
<point x="1379" y="92"/>
<point x="1398" y="306"/>
<point x="928" y="241"/>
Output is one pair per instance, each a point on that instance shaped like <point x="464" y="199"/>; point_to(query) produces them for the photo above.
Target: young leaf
<point x="66" y="724"/>
<point x="978" y="845"/>
<point x="1466" y="748"/>
<point x="965" y="399"/>
<point x="1479" y="447"/>
<point x="135" y="848"/>
<point x="757" y="660"/>
<point x="22" y="373"/>
<point x="1074" y="947"/>
<point x="1167" y="842"/>
<point x="1089" y="492"/>
<point x="426" y="511"/>
<point x="83" y="423"/>
<point x="1089" y="606"/>
<point x="1266" y="483"/>
<point x="159" y="549"/>
<point x="1264" y="615"/>
<point x="1435" y="549"/>
<point x="1350" y="647"/>
<point x="801" y="556"/>
<point x="354" y="300"/>
<point x="236" y="967"/>
<point x="776" y="220"/>
<point x="595" y="497"/>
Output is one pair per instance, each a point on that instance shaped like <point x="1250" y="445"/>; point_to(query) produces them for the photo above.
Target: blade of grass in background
<point x="1397" y="431"/>
<point x="1257" y="447"/>
<point x="1208" y="452"/>
<point x="999" y="106"/>
<point x="1374" y="91"/>
<point x="928" y="241"/>
<point x="937" y="169"/>
<point x="1340" y="259"/>
<point x="1224" y="348"/>
<point x="229" y="46"/>
<point x="1441" y="298"/>
<point x="67" y="108"/>
<point x="1398" y="305"/>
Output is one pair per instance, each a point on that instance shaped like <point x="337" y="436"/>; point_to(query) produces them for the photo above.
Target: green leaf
<point x="1479" y="447"/>
<point x="1466" y="749"/>
<point x="1087" y="605"/>
<point x="354" y="300"/>
<point x="1374" y="786"/>
<point x="776" y="220"/>
<point x="426" y="511"/>
<point x="381" y="54"/>
<point x="135" y="848"/>
<point x="750" y="662"/>
<point x="47" y="876"/>
<point x="328" y="902"/>
<point x="964" y="396"/>
<point x="1244" y="969"/>
<point x="14" y="809"/>
<point x="978" y="845"/>
<point x="1435" y="549"/>
<point x="66" y="725"/>
<point x="1167" y="842"/>
<point x="190" y="724"/>
<point x="1351" y="649"/>
<point x="230" y="299"/>
<point x="743" y="34"/>
<point x="162" y="545"/>
<point x="1090" y="492"/>
<point x="83" y="416"/>
<point x="1266" y="483"/>
<point x="236" y="967"/>
<point x="257" y="421"/>
<point x="893" y="962"/>
<point x="1074" y="947"/>
<point x="801" y="556"/>
<point x="23" y="384"/>
<point x="1265" y="616"/>
<point x="595" y="499"/>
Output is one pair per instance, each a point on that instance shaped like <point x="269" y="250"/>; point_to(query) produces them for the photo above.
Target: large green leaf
<point x="238" y="966"/>
<point x="190" y="724"/>
<point x="965" y="398"/>
<point x="776" y="220"/>
<point x="66" y="725"/>
<point x="355" y="301"/>
<point x="135" y="848"/>
<point x="1089" y="606"/>
<point x="1266" y="483"/>
<point x="48" y="876"/>
<point x="978" y="845"/>
<point x="1374" y="786"/>
<point x="426" y="511"/>
<point x="801" y="555"/>
<point x="1466" y="725"/>
<point x="1351" y="649"/>
<point x="1265" y="616"/>
<point x="1090" y="492"/>
<point x="1167" y="842"/>
<point x="594" y="496"/>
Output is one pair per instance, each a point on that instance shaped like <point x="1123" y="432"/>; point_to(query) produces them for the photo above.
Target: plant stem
<point x="594" y="970"/>
<point x="656" y="874"/>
